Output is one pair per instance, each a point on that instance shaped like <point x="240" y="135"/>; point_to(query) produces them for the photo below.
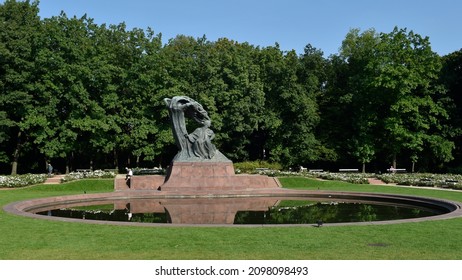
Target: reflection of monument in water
<point x="198" y="210"/>
<point x="199" y="169"/>
<point x="198" y="166"/>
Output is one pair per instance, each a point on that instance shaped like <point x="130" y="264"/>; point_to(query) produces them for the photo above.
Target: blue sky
<point x="291" y="23"/>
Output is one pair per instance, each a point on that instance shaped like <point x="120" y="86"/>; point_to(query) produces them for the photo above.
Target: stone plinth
<point x="187" y="177"/>
<point x="210" y="176"/>
<point x="141" y="182"/>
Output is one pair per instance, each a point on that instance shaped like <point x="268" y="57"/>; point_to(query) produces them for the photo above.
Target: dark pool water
<point x="270" y="212"/>
<point x="330" y="213"/>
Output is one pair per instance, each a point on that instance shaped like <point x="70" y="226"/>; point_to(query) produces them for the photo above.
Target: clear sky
<point x="291" y="23"/>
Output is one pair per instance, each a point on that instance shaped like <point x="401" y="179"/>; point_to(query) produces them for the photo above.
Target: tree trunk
<point x="160" y="161"/>
<point x="137" y="161"/>
<point x="364" y="167"/>
<point x="67" y="165"/>
<point x="413" y="166"/>
<point x="14" y="164"/>
<point x="116" y="159"/>
<point x="14" y="167"/>
<point x="394" y="160"/>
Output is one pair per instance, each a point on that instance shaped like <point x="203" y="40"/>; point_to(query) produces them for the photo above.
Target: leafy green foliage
<point x="391" y="85"/>
<point x="19" y="31"/>
<point x="87" y="95"/>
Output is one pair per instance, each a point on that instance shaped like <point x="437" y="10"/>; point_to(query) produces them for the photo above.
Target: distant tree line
<point x="79" y="95"/>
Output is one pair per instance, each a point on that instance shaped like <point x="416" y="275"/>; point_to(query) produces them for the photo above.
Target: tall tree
<point x="363" y="99"/>
<point x="407" y="72"/>
<point x="349" y="116"/>
<point x="395" y="98"/>
<point x="225" y="78"/>
<point x="291" y="89"/>
<point x="241" y="100"/>
<point x="65" y="71"/>
<point x="19" y="31"/>
<point x="313" y="76"/>
<point x="451" y="77"/>
<point x="143" y="134"/>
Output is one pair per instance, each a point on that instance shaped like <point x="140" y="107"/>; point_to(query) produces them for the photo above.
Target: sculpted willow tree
<point x="193" y="145"/>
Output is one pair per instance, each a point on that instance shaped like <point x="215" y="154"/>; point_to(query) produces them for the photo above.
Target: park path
<point x="375" y="181"/>
<point x="56" y="179"/>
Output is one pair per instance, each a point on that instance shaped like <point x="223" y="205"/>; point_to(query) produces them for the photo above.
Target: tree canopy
<point x="83" y="95"/>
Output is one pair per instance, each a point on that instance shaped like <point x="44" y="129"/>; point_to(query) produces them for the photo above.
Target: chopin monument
<point x="198" y="167"/>
<point x="196" y="146"/>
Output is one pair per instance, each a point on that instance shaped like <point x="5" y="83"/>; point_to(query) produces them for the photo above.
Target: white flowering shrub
<point x="98" y="174"/>
<point x="16" y="181"/>
<point x="275" y="173"/>
<point x="355" y="178"/>
<point x="423" y="179"/>
<point x="453" y="181"/>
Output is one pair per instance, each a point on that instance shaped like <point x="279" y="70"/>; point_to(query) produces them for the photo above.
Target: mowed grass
<point x="27" y="238"/>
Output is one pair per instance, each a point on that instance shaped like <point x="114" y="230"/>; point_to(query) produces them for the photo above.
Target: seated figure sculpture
<point x="201" y="141"/>
<point x="195" y="146"/>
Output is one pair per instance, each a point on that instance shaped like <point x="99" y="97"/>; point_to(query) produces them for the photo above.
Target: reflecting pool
<point x="250" y="211"/>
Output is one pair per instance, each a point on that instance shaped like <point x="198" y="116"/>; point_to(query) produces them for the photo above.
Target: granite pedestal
<point x="199" y="177"/>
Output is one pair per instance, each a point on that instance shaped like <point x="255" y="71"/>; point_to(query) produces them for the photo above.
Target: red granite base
<point x="198" y="176"/>
<point x="209" y="176"/>
<point x="143" y="182"/>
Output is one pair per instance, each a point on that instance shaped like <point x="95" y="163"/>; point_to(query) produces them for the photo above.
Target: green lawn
<point x="26" y="238"/>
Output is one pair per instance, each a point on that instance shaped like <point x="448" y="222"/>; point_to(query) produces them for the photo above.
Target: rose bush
<point x="423" y="179"/>
<point x="16" y="181"/>
<point x="97" y="174"/>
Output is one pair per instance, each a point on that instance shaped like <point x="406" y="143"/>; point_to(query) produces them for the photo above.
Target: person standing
<point x="129" y="175"/>
<point x="50" y="170"/>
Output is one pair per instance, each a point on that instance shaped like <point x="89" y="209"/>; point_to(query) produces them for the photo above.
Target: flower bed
<point x="424" y="180"/>
<point x="355" y="178"/>
<point x="16" y="181"/>
<point x="453" y="181"/>
<point x="98" y="174"/>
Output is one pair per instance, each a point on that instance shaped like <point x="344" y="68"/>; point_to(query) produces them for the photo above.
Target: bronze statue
<point x="195" y="146"/>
